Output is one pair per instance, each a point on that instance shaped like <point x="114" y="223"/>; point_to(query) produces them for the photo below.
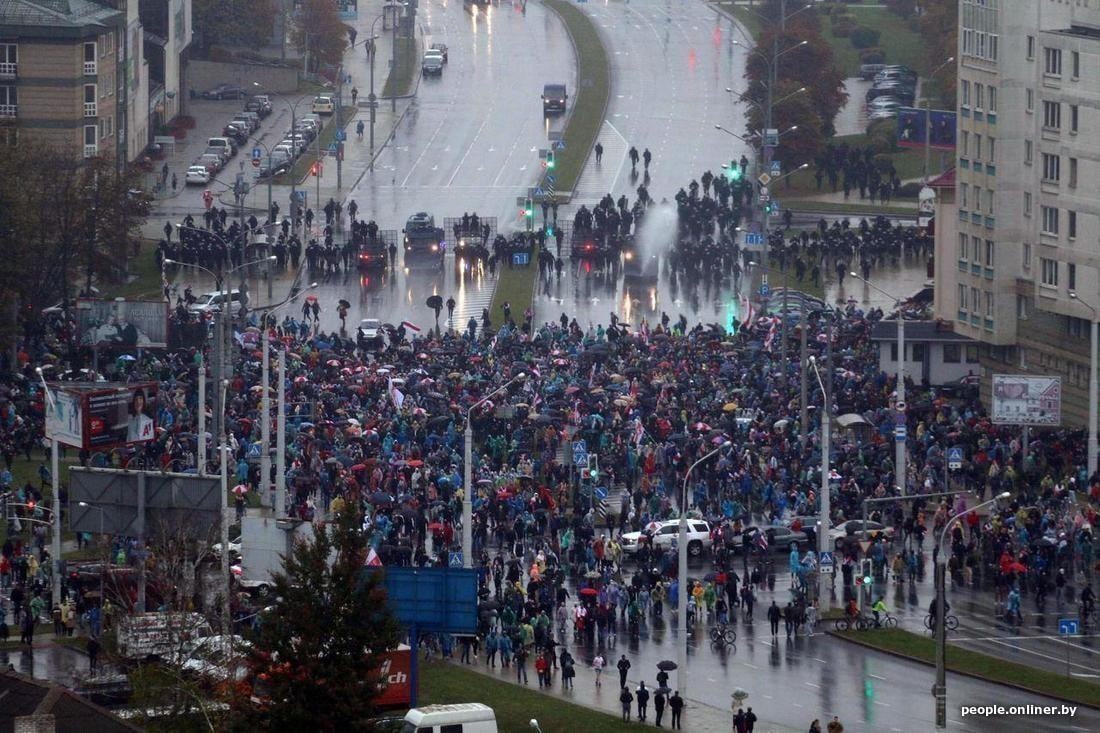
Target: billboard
<point x="134" y="502"/>
<point x="122" y="324"/>
<point x="65" y="418"/>
<point x="911" y="128"/>
<point x="1023" y="400"/>
<point x="119" y="416"/>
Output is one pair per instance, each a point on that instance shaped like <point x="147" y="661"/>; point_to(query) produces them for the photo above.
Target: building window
<point x="1052" y="168"/>
<point x="992" y="99"/>
<point x="1048" y="272"/>
<point x="964" y="246"/>
<point x="965" y="93"/>
<point x="1052" y="61"/>
<point x="1021" y="307"/>
<point x="1052" y="115"/>
<point x="9" y="59"/>
<point x="1027" y="203"/>
<point x="1031" y="48"/>
<point x="962" y="298"/>
<point x="89" y="141"/>
<point x="964" y="143"/>
<point x="1073" y="172"/>
<point x="1027" y="256"/>
<point x="977" y="198"/>
<point x="977" y="146"/>
<point x="952" y="353"/>
<point x="893" y="351"/>
<point x="917" y="352"/>
<point x="989" y="253"/>
<point x="1071" y="276"/>
<point x="972" y="354"/>
<point x="1075" y="60"/>
<point x="977" y="257"/>
<point x="964" y="190"/>
<point x="988" y="304"/>
<point x="90" y="97"/>
<point x="975" y="301"/>
<point x="1030" y="100"/>
<point x="979" y="96"/>
<point x="9" y="101"/>
<point x="992" y="149"/>
<point x="1076" y="328"/>
<point x="89" y="57"/>
<point x="1073" y="118"/>
<point x="1027" y="152"/>
<point x="1071" y="224"/>
<point x="1050" y="219"/>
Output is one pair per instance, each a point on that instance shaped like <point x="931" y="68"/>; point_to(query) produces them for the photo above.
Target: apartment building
<point x="1020" y="229"/>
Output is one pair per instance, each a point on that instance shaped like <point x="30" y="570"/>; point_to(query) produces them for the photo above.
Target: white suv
<point x="666" y="533"/>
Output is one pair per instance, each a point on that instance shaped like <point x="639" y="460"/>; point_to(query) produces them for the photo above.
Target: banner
<point x="64" y="418"/>
<point x="123" y="324"/>
<point x="120" y="416"/>
<point x="911" y="128"/>
<point x="1022" y="400"/>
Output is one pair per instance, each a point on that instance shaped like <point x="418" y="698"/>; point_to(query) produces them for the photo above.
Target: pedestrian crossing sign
<point x="454" y="559"/>
<point x="559" y="145"/>
<point x="539" y="191"/>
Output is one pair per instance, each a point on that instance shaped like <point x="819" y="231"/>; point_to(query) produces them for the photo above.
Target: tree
<point x="799" y="146"/>
<point x="317" y="656"/>
<point x="320" y="34"/>
<point x="939" y="28"/>
<point x="232" y="22"/>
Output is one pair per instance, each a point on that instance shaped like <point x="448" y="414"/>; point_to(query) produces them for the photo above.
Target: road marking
<point x="811" y="684"/>
<point x="883" y="704"/>
<point x="875" y="676"/>
<point x="1039" y="654"/>
<point x="819" y="660"/>
<point x="424" y="151"/>
<point x="469" y="148"/>
<point x="752" y="666"/>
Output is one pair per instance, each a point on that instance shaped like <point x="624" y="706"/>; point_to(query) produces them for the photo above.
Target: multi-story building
<point x="1022" y="231"/>
<point x="75" y="74"/>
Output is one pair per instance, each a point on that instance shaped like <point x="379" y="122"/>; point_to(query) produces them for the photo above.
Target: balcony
<point x="8" y="70"/>
<point x="89" y="109"/>
<point x="90" y="68"/>
<point x="8" y="110"/>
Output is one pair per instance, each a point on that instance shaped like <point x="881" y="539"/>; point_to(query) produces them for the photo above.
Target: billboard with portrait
<point x="1024" y="400"/>
<point x="911" y="122"/>
<point x="124" y="324"/>
<point x="120" y="416"/>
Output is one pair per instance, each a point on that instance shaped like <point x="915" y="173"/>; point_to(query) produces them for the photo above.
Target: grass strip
<point x="403" y="72"/>
<point x="922" y="648"/>
<point x="442" y="683"/>
<point x="517" y="286"/>
<point x="306" y="160"/>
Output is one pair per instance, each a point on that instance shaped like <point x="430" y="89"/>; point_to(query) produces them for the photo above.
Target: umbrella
<point x="729" y="407"/>
<point x="127" y="357"/>
<point x="666" y="665"/>
<point x="709" y="577"/>
<point x="1017" y="567"/>
<point x="589" y="592"/>
<point x="240" y="489"/>
<point x="591" y="574"/>
<point x="437" y="527"/>
<point x="343" y="303"/>
<point x="380" y="497"/>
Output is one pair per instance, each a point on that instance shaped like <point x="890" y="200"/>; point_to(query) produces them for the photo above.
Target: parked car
<point x="867" y="71"/>
<point x="432" y="65"/>
<point x="441" y="47"/>
<point x="222" y="154"/>
<point x="779" y="537"/>
<point x="852" y="531"/>
<point x="218" y="659"/>
<point x="323" y="105"/>
<point x="197" y="174"/>
<point x="664" y="533"/>
<point x="260" y="104"/>
<point x="234" y="548"/>
<point x="213" y="301"/>
<point x="225" y="91"/>
<point x="211" y="161"/>
<point x="222" y="142"/>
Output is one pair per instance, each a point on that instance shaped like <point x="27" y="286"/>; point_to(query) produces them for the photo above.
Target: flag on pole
<point x="410" y="326"/>
<point x="592" y="376"/>
<point x="373" y="561"/>
<point x="761" y="540"/>
<point x="639" y="431"/>
<point x="396" y="395"/>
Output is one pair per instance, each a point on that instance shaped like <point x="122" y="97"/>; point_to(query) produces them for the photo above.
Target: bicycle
<point x="951" y="621"/>
<point x="723" y="633"/>
<point x="887" y="621"/>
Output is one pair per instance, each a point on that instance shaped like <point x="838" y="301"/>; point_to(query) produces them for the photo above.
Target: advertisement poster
<point x="125" y="324"/>
<point x="64" y="418"/>
<point x="120" y="416"/>
<point x="911" y="128"/>
<point x="1022" y="400"/>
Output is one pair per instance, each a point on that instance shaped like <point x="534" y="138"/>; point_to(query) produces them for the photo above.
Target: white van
<point x="214" y="301"/>
<point x="470" y="717"/>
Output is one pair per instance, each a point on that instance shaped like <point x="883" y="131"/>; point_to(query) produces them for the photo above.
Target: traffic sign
<point x="863" y="545"/>
<point x="257" y="153"/>
<point x="521" y="258"/>
<point x="579" y="446"/>
<point x="255" y="162"/>
<point x="550" y="178"/>
<point x="539" y="191"/>
<point x="826" y="558"/>
<point x="454" y="559"/>
<point x="341" y="136"/>
<point x="775" y="168"/>
<point x="899" y="433"/>
<point x="580" y="459"/>
<point x="601" y="493"/>
<point x="1069" y="626"/>
<point x="764" y="179"/>
<point x="764" y="198"/>
<point x="559" y="145"/>
<point x="754" y="238"/>
<point x="332" y="149"/>
<point x="955" y="458"/>
<point x="765" y="291"/>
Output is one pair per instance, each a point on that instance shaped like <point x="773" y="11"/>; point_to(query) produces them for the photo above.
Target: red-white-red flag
<point x="373" y="561"/>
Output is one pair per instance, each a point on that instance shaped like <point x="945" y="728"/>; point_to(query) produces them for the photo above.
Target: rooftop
<point x="919" y="331"/>
<point x="55" y="13"/>
<point x="24" y="696"/>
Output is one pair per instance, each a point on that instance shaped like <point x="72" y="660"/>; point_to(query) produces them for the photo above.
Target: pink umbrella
<point x="240" y="489"/>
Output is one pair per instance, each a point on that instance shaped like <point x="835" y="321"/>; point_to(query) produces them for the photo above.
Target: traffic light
<point x="529" y="209"/>
<point x="549" y="160"/>
<point x="315" y="169"/>
<point x="734" y="171"/>
<point x="866" y="571"/>
<point x="592" y="472"/>
<point x="549" y="230"/>
<point x="30" y="505"/>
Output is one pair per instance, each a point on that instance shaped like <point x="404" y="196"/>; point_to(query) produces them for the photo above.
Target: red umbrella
<point x="591" y="592"/>
<point x="416" y="463"/>
<point x="437" y="526"/>
<point x="1017" y="567"/>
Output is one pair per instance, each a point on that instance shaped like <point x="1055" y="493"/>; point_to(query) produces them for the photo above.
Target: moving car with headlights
<point x="554" y="99"/>
<point x="370" y="335"/>
<point x="432" y="65"/>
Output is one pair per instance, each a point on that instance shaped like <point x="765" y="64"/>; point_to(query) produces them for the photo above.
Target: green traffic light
<point x="550" y="161"/>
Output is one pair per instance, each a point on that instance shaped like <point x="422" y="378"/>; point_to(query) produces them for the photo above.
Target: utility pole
<point x="804" y="417"/>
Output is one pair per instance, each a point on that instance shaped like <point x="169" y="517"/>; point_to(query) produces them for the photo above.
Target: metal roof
<point x="56" y="13"/>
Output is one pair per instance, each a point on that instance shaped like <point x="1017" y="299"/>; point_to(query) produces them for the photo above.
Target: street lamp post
<point x="940" y="690"/>
<point x="900" y="420"/>
<point x="86" y="505"/>
<point x="224" y="449"/>
<point x="682" y="552"/>
<point x="55" y="475"/>
<point x="1093" y="396"/>
<point x="826" y="498"/>
<point x="468" y="474"/>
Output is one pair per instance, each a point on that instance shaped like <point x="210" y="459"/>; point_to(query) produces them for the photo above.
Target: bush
<point x="839" y="15"/>
<point x="864" y="37"/>
<point x="910" y="190"/>
<point x="844" y="29"/>
<point x="872" y="56"/>
<point x="882" y="136"/>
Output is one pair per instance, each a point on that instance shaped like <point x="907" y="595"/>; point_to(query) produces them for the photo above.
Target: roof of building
<point x="944" y="180"/>
<point x="24" y="696"/>
<point x="887" y="330"/>
<point x="56" y="13"/>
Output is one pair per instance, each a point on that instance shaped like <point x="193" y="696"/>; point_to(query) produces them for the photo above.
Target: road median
<point x="517" y="285"/>
<point x="920" y="648"/>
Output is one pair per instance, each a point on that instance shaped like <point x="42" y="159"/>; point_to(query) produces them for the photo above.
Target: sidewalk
<point x="697" y="716"/>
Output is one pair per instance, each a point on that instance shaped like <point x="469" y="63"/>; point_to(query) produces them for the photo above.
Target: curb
<point x="972" y="675"/>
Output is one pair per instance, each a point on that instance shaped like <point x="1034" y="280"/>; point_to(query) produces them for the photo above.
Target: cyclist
<point x="879" y="608"/>
<point x="932" y="609"/>
<point x="852" y="610"/>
